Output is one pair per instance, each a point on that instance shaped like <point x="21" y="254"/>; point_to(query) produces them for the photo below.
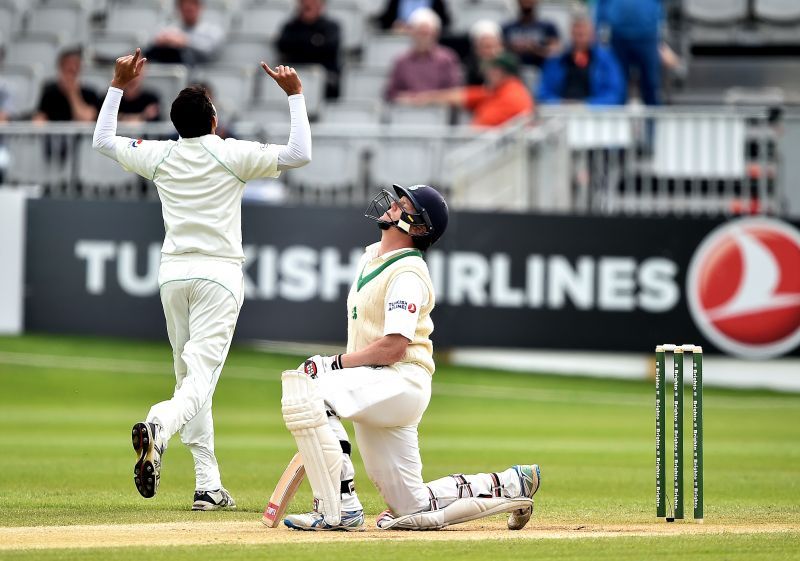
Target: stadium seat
<point x="100" y="174"/>
<point x="68" y="19"/>
<point x="247" y="49"/>
<point x="777" y="11"/>
<point x="364" y="83"/>
<point x="166" y="80"/>
<point x="106" y="48"/>
<point x="382" y="50"/>
<point x="29" y="164"/>
<point x="140" y="15"/>
<point x="9" y="21"/>
<point x="34" y="48"/>
<point x="272" y="116"/>
<point x="351" y="113"/>
<point x="264" y="20"/>
<point x="716" y="11"/>
<point x="559" y="14"/>
<point x="232" y="85"/>
<point x="700" y="146"/>
<point x="24" y="83"/>
<point x="350" y="17"/>
<point x="468" y="14"/>
<point x="406" y="161"/>
<point x="313" y="77"/>
<point x="410" y="115"/>
<point x="220" y="12"/>
<point x="335" y="165"/>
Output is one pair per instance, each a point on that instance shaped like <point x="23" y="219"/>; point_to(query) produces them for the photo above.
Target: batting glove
<point x="318" y="364"/>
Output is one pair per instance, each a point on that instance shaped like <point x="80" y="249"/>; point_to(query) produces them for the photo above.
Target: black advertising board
<point x="502" y="280"/>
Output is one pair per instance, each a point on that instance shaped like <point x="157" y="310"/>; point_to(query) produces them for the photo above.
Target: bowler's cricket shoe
<point x="213" y="500"/>
<point x="529" y="479"/>
<point x="149" y="449"/>
<point x="352" y="521"/>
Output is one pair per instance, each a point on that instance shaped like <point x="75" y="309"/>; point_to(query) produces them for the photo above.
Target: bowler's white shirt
<point x="201" y="180"/>
<point x="200" y="183"/>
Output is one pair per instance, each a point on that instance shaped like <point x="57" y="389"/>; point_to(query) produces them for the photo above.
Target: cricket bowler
<point x="200" y="180"/>
<point x="383" y="384"/>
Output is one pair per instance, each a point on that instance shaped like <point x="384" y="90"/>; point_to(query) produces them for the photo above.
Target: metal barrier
<point x="675" y="160"/>
<point x="570" y="159"/>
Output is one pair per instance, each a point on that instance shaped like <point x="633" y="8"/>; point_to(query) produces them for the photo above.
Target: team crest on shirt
<point x="398" y="305"/>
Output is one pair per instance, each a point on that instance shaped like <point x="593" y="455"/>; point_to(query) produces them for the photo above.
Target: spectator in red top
<point x="427" y="65"/>
<point x="503" y="98"/>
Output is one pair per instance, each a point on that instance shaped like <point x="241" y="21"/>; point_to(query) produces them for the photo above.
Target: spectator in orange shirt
<point x="502" y="98"/>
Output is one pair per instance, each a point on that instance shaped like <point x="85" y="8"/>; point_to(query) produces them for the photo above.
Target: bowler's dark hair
<point x="192" y="112"/>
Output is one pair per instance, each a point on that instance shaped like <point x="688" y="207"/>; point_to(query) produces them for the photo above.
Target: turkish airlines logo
<point x="743" y="287"/>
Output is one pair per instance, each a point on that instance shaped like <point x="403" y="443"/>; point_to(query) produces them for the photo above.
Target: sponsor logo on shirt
<point x="398" y="305"/>
<point x="135" y="143"/>
<point x="412" y="308"/>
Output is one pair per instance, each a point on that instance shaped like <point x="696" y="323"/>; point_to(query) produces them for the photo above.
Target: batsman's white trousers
<point x="386" y="405"/>
<point x="201" y="299"/>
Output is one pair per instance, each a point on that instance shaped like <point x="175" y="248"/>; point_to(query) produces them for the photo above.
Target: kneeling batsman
<point x="383" y="384"/>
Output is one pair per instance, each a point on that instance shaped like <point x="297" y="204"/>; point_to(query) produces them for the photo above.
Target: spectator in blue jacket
<point x="585" y="73"/>
<point x="634" y="27"/>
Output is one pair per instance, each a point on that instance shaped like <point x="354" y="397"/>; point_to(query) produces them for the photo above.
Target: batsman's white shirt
<point x="387" y="403"/>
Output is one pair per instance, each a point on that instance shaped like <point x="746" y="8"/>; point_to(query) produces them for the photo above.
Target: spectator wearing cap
<point x="586" y="73"/>
<point x="397" y="13"/>
<point x="486" y="39"/>
<point x="189" y="39"/>
<point x="427" y="65"/>
<point x="634" y="27"/>
<point x="531" y="39"/>
<point x="502" y="98"/>
<point x="311" y="37"/>
<point x="65" y="98"/>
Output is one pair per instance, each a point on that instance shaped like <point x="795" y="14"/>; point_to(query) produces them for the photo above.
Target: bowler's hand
<point x="286" y="77"/>
<point x="127" y="68"/>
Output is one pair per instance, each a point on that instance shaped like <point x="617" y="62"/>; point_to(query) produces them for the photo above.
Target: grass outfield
<point x="67" y="406"/>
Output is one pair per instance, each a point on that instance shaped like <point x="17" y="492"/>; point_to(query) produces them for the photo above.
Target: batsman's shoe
<point x="529" y="479"/>
<point x="213" y="500"/>
<point x="352" y="521"/>
<point x="149" y="449"/>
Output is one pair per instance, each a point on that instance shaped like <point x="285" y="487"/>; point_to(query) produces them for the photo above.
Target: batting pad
<point x="460" y="510"/>
<point x="304" y="415"/>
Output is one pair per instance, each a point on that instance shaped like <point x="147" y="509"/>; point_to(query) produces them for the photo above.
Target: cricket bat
<point x="284" y="492"/>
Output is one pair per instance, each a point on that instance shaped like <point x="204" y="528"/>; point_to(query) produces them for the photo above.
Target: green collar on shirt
<point x="362" y="280"/>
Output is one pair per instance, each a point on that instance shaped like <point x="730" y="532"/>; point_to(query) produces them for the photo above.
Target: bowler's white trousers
<point x="386" y="405"/>
<point x="201" y="297"/>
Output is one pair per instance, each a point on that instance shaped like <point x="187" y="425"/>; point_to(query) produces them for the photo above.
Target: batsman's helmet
<point x="430" y="218"/>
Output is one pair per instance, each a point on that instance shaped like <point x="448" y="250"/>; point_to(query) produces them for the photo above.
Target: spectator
<point x="586" y="73"/>
<point x="189" y="40"/>
<point x="503" y="98"/>
<point x="635" y="27"/>
<point x="139" y="104"/>
<point x="530" y="38"/>
<point x="313" y="38"/>
<point x="65" y="99"/>
<point x="397" y="13"/>
<point x="427" y="65"/>
<point x="487" y="44"/>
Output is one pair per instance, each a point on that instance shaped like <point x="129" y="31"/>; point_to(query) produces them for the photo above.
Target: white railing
<point x="705" y="160"/>
<point x="569" y="159"/>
